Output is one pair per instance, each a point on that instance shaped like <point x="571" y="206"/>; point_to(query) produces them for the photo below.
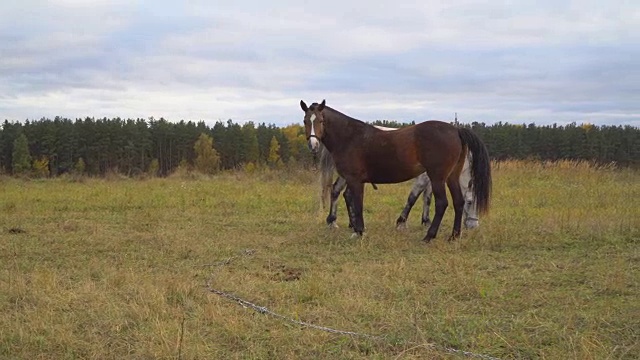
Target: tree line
<point x="601" y="144"/>
<point x="96" y="147"/>
<point x="137" y="146"/>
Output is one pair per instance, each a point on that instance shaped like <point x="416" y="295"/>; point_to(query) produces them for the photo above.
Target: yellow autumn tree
<point x="294" y="139"/>
<point x="41" y="167"/>
<point x="587" y="127"/>
<point x="207" y="158"/>
<point x="274" y="153"/>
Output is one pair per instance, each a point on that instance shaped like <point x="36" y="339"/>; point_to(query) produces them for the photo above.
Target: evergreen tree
<point x="264" y="134"/>
<point x="21" y="156"/>
<point x="285" y="151"/>
<point x="235" y="146"/>
<point x="80" y="167"/>
<point x="154" y="167"/>
<point x="10" y="132"/>
<point x="251" y="148"/>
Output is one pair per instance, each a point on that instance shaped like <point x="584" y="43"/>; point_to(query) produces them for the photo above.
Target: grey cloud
<point x="532" y="61"/>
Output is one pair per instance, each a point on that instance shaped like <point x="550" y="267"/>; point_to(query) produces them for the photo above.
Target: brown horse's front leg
<point x="348" y="201"/>
<point x="356" y="190"/>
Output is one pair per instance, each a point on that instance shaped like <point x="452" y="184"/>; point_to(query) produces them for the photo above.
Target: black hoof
<point x="454" y="236"/>
<point x="427" y="240"/>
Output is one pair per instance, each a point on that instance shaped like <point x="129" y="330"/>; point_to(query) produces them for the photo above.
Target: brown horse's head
<point x="313" y="124"/>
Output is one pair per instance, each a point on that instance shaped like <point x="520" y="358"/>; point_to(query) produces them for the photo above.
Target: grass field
<point x="113" y="269"/>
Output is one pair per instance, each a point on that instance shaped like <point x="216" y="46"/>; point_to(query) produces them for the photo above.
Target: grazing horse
<point x="364" y="154"/>
<point x="331" y="192"/>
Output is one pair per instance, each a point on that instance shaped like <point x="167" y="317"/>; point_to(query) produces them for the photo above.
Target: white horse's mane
<point x="384" y="128"/>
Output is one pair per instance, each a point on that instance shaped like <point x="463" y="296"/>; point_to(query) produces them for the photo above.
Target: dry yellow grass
<point x="118" y="269"/>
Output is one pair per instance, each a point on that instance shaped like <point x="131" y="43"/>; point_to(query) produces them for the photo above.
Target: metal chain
<point x="266" y="311"/>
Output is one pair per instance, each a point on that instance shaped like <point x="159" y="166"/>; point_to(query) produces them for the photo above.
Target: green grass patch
<point x="112" y="269"/>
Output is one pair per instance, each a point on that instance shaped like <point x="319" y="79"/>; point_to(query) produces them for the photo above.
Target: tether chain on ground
<point x="266" y="311"/>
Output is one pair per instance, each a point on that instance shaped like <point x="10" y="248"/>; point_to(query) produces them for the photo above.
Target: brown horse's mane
<point x="333" y="114"/>
<point x="351" y="128"/>
<point x="352" y="125"/>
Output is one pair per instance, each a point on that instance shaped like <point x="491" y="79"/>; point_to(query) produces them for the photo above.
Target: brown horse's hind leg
<point x="453" y="182"/>
<point x="458" y="205"/>
<point x="440" y="195"/>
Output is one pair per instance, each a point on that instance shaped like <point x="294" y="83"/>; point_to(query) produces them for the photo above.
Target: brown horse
<point x="364" y="154"/>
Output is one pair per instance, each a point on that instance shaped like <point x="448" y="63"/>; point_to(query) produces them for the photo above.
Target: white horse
<point x="421" y="186"/>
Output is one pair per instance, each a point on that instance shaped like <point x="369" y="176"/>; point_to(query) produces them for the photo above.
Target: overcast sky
<point x="541" y="61"/>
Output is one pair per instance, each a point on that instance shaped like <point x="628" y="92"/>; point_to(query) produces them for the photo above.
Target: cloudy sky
<point x="541" y="61"/>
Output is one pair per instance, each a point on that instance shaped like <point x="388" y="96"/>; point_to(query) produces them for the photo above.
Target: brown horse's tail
<point x="327" y="168"/>
<point x="480" y="168"/>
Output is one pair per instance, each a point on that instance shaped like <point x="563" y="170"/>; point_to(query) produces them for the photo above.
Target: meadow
<point x="123" y="269"/>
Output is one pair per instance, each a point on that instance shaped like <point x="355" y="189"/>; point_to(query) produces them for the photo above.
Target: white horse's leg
<point x="418" y="188"/>
<point x="426" y="201"/>
<point x="338" y="186"/>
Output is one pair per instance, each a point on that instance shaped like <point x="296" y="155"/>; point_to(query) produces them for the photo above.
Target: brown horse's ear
<point x="321" y="106"/>
<point x="303" y="106"/>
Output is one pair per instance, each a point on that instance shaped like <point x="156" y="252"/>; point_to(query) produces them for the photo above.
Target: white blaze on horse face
<point x="313" y="140"/>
